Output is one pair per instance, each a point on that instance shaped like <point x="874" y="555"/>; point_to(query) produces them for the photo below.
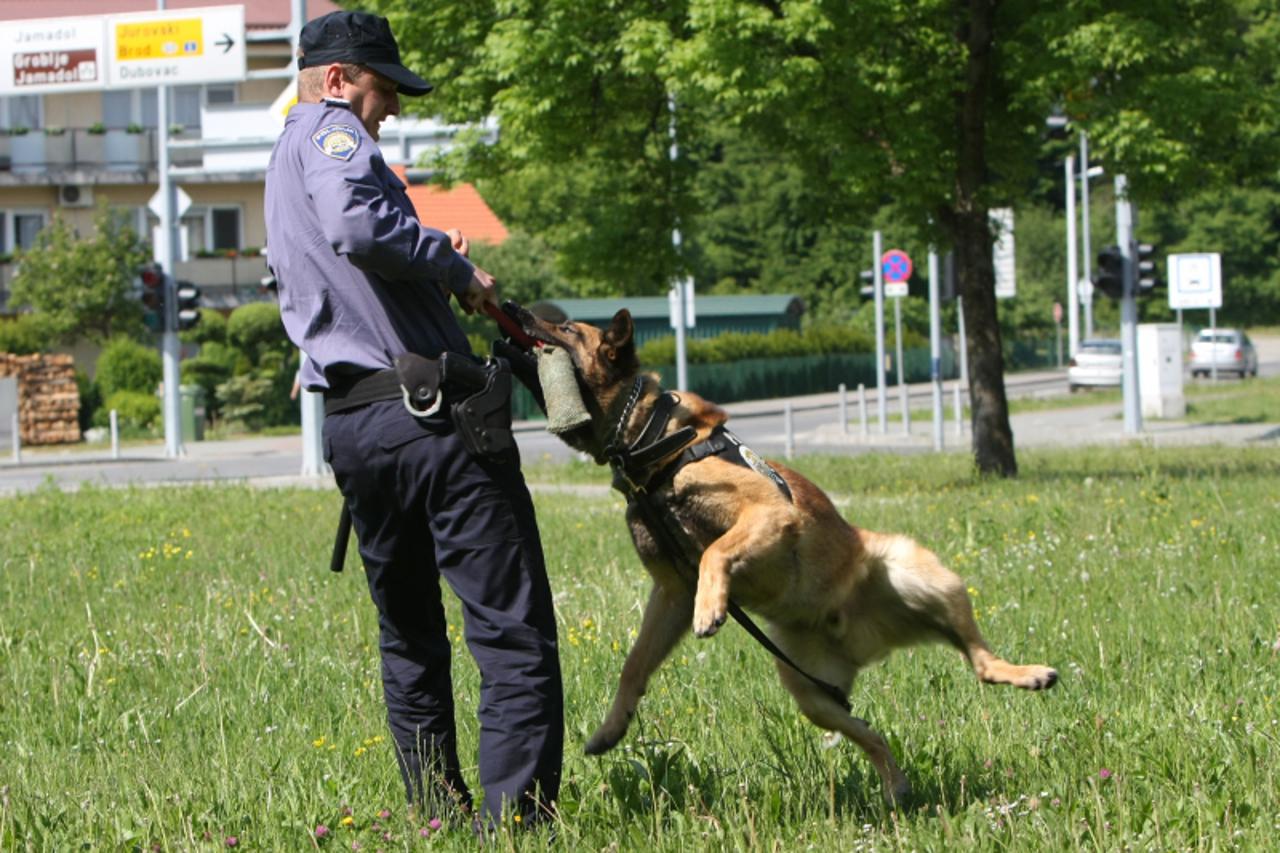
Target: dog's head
<point x="604" y="363"/>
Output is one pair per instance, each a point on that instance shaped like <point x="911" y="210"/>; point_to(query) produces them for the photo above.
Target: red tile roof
<point x="258" y="14"/>
<point x="459" y="207"/>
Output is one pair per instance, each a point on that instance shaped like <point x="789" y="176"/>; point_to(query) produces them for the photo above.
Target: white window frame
<point x="208" y="224"/>
<point x="9" y="237"/>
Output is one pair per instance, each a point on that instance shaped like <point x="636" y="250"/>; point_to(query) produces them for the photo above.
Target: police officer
<point x="362" y="282"/>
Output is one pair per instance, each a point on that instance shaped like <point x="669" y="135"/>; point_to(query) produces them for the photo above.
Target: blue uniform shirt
<point x="360" y="279"/>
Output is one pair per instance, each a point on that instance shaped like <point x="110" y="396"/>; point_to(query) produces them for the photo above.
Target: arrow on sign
<point x="226" y="42"/>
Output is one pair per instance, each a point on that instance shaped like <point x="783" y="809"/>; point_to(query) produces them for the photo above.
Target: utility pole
<point x="877" y="251"/>
<point x="1125" y="223"/>
<point x="1073" y="276"/>
<point x="167" y="254"/>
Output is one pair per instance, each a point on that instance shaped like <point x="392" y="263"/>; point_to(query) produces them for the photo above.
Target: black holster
<point x="478" y="395"/>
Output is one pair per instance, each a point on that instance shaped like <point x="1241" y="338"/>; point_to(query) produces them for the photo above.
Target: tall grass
<point x="178" y="669"/>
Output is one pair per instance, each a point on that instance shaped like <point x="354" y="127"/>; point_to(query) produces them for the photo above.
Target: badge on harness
<point x="339" y="141"/>
<point x="756" y="463"/>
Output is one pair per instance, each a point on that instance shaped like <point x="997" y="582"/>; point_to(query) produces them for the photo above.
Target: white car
<point x="1229" y="350"/>
<point x="1097" y="363"/>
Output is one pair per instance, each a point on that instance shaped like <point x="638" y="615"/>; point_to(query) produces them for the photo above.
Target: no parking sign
<point x="896" y="266"/>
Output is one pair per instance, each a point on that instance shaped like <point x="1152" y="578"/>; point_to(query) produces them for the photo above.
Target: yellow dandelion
<point x="318" y="742"/>
<point x="348" y="821"/>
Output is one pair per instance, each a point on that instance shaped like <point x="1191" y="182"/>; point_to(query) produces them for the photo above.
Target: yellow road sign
<point x="171" y="38"/>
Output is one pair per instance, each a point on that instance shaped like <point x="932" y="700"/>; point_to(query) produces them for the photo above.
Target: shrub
<point x="245" y="400"/>
<point x="256" y="329"/>
<point x="214" y="365"/>
<point x="135" y="410"/>
<point x="212" y="328"/>
<point x="90" y="399"/>
<point x="22" y="335"/>
<point x="126" y="365"/>
<point x="780" y="343"/>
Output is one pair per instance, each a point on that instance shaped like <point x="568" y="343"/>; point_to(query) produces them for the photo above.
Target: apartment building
<point x="62" y="152"/>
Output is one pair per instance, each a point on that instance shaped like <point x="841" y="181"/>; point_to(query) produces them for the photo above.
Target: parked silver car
<point x="1229" y="350"/>
<point x="1097" y="363"/>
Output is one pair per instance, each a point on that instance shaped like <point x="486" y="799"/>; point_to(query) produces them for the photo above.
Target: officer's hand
<point x="482" y="288"/>
<point x="460" y="244"/>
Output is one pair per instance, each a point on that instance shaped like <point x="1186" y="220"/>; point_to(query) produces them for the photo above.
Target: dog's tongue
<point x="565" y="409"/>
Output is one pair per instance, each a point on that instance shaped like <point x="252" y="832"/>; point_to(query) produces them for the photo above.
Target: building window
<point x="124" y="107"/>
<point x="19" y="228"/>
<point x="219" y="94"/>
<point x="21" y="111"/>
<point x="224" y="228"/>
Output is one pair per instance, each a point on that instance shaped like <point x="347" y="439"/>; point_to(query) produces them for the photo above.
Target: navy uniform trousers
<point x="424" y="508"/>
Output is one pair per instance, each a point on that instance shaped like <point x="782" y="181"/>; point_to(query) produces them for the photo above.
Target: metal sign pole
<point x="1073" y="309"/>
<point x="935" y="348"/>
<point x="1084" y="231"/>
<point x="878" y="266"/>
<point x="167" y="253"/>
<point x="902" y="387"/>
<point x="1128" y="309"/>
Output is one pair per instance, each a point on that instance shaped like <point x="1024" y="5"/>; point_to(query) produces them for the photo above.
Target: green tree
<point x="938" y="106"/>
<point x="82" y="287"/>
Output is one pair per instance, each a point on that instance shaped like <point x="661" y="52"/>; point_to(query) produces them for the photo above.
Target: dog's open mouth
<point x="535" y="327"/>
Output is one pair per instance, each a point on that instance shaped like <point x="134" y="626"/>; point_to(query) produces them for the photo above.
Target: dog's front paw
<point x="602" y="741"/>
<point x="707" y="619"/>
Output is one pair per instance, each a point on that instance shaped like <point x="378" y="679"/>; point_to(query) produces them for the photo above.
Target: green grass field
<point x="179" y="669"/>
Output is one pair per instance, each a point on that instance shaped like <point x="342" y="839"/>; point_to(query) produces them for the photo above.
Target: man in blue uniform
<point x="363" y="286"/>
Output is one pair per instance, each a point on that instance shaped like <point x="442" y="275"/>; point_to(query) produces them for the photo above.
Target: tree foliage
<point x="82" y="286"/>
<point x="936" y="108"/>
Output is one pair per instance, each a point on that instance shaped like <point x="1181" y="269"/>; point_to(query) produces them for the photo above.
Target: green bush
<point x="212" y="328"/>
<point x="22" y="335"/>
<point x="214" y="365"/>
<point x="245" y="400"/>
<point x="134" y="409"/>
<point x="126" y="365"/>
<point x="736" y="346"/>
<point x="255" y="329"/>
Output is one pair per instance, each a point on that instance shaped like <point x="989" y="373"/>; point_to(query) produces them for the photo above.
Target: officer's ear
<point x="335" y="78"/>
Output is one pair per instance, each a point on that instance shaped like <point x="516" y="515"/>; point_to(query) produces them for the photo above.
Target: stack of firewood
<point x="48" y="399"/>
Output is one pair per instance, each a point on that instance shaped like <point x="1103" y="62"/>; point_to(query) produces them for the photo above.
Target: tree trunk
<point x="992" y="435"/>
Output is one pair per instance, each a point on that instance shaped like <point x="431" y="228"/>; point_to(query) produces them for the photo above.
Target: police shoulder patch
<point x="339" y="141"/>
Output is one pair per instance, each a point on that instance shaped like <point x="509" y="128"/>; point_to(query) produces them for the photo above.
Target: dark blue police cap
<point x="361" y="39"/>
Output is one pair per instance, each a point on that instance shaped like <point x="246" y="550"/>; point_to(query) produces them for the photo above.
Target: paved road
<point x="761" y="424"/>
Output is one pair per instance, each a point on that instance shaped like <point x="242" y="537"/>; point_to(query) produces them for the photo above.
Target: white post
<point x="167" y="252"/>
<point x="1212" y="333"/>
<point x="877" y="252"/>
<point x="964" y="344"/>
<point x="1084" y="230"/>
<point x="17" y="440"/>
<point x="678" y="318"/>
<point x="115" y="434"/>
<point x="902" y="385"/>
<point x="312" y="405"/>
<point x="789" y="428"/>
<point x="1073" y="276"/>
<point x="862" y="408"/>
<point x="844" y="410"/>
<point x="1128" y="310"/>
<point x="935" y="348"/>
<point x="959" y="410"/>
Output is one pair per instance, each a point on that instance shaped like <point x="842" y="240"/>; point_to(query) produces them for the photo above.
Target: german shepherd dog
<point x="835" y="598"/>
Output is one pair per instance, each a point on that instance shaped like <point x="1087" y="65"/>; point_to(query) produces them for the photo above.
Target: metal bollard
<point x="844" y="410"/>
<point x="789" y="428"/>
<point x="17" y="442"/>
<point x="115" y="435"/>
<point x="906" y="408"/>
<point x="862" y="408"/>
<point x="959" y="411"/>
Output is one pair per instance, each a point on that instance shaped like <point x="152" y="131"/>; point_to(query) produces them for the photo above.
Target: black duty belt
<point x="361" y="390"/>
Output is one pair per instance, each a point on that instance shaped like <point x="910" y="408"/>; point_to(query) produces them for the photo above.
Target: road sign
<point x="1195" y="280"/>
<point x="138" y="50"/>
<point x="895" y="264"/>
<point x="1002" y="253"/>
<point x="202" y="45"/>
<point x="52" y="55"/>
<point x="156" y="203"/>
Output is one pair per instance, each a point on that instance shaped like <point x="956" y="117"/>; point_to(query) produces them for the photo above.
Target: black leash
<point x="667" y="530"/>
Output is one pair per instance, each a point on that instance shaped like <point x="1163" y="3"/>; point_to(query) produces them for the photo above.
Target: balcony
<point x="82" y="156"/>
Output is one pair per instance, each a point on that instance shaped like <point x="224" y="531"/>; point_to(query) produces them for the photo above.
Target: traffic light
<point x="152" y="279"/>
<point x="188" y="296"/>
<point x="868" y="278"/>
<point x="1148" y="275"/>
<point x="1110" y="275"/>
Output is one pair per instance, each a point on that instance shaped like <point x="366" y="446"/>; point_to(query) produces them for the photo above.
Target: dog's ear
<point x="619" y="345"/>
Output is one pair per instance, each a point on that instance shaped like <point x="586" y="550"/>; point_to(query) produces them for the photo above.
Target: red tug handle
<point x="509" y="326"/>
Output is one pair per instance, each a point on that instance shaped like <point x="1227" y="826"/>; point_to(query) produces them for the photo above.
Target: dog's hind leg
<point x="936" y="602"/>
<point x="823" y="712"/>
<point x="666" y="618"/>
